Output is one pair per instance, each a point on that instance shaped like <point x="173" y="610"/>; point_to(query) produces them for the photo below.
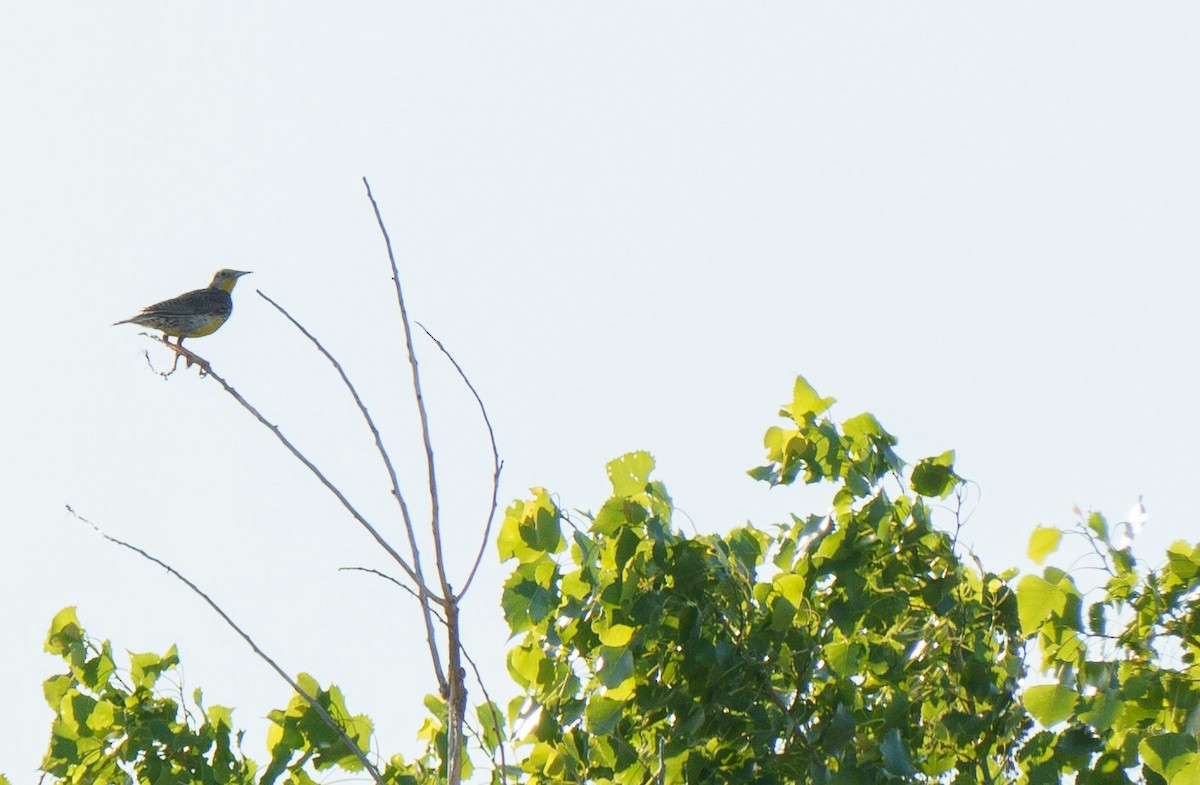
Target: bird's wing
<point x="200" y="301"/>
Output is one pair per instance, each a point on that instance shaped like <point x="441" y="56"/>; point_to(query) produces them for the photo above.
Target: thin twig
<point x="497" y="464"/>
<point x="495" y="723"/>
<point x="312" y="701"/>
<point x="431" y="639"/>
<point x="466" y="656"/>
<point x="191" y="357"/>
<point x="324" y="481"/>
<point x="435" y="512"/>
<point x="398" y="582"/>
<point x="454" y="689"/>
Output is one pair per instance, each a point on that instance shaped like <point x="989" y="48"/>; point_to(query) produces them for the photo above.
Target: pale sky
<point x="632" y="223"/>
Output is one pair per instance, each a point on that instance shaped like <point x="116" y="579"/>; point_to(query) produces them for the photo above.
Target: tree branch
<point x="416" y="573"/>
<point x="404" y="565"/>
<point x="311" y="699"/>
<point x="455" y="694"/>
<point x="497" y="464"/>
<point x="435" y="512"/>
<point x="466" y="656"/>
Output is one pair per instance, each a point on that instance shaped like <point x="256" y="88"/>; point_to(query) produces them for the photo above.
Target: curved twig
<point x="453" y="687"/>
<point x="466" y="656"/>
<point x="497" y="464"/>
<point x="398" y="582"/>
<point x="404" y="565"/>
<point x="312" y="701"/>
<point x="391" y="470"/>
<point x="430" y="464"/>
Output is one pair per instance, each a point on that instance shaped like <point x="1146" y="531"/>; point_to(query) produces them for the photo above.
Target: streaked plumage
<point x="194" y="314"/>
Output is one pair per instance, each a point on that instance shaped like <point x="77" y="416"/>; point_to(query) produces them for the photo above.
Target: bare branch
<point x="311" y="699"/>
<point x="435" y="512"/>
<point x="497" y="464"/>
<point x="419" y="578"/>
<point x="454" y="688"/>
<point x="404" y="565"/>
<point x="466" y="655"/>
<point x="495" y="725"/>
<point x="398" y="582"/>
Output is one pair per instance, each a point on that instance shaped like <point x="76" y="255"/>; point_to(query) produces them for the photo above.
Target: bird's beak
<point x="240" y="273"/>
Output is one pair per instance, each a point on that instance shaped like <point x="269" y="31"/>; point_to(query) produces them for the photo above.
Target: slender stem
<point x="435" y="512"/>
<point x="431" y="638"/>
<point x="466" y="656"/>
<point x="311" y="699"/>
<point x="456" y="696"/>
<point x="396" y="581"/>
<point x="495" y="723"/>
<point x="454" y="693"/>
<point x="497" y="464"/>
<point x="354" y="513"/>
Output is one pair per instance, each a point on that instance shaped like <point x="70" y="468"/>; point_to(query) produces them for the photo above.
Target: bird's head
<point x="225" y="279"/>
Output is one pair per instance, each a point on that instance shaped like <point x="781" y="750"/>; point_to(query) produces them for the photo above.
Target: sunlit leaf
<point x="806" y="402"/>
<point x="1172" y="756"/>
<point x="65" y="631"/>
<point x="1037" y="599"/>
<point x="1043" y="542"/>
<point x="1050" y="704"/>
<point x="630" y="474"/>
<point x="616" y="635"/>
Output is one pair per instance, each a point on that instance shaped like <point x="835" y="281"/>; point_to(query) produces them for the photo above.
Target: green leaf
<point x="65" y="632"/>
<point x="792" y="587"/>
<point x="602" y="715"/>
<point x="491" y="723"/>
<point x="220" y="716"/>
<point x="1037" y="599"/>
<point x="764" y="473"/>
<point x="1183" y="560"/>
<point x="1050" y="704"/>
<point x="530" y="529"/>
<point x="1043" y="542"/>
<point x="1105" y="709"/>
<point x="56" y="688"/>
<point x="630" y="474"/>
<point x="806" y="403"/>
<point x="616" y="635"/>
<point x="616" y="666"/>
<point x="1172" y="755"/>
<point x="861" y="427"/>
<point x="844" y="656"/>
<point x="1098" y="525"/>
<point x="101" y="717"/>
<point x="894" y="752"/>
<point x="524" y="664"/>
<point x="527" y="602"/>
<point x="1187" y="772"/>
<point x="146" y="668"/>
<point x="935" y="477"/>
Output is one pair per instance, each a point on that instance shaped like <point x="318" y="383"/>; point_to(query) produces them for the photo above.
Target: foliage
<point x="854" y="646"/>
<point x="1124" y="670"/>
<point x="113" y="727"/>
<point x="851" y="647"/>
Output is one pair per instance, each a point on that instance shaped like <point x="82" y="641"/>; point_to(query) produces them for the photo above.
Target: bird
<point x="192" y="314"/>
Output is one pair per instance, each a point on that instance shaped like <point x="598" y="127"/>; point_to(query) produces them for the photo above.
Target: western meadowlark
<point x="191" y="315"/>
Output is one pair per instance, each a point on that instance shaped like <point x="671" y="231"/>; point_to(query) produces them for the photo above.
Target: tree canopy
<point x="855" y="644"/>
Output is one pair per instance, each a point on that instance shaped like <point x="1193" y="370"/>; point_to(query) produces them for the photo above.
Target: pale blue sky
<point x="632" y="223"/>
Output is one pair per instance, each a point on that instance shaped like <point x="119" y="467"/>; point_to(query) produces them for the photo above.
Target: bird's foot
<point x="189" y="358"/>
